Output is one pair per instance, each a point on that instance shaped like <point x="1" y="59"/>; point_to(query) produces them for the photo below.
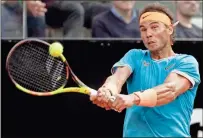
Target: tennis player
<point x="161" y="84"/>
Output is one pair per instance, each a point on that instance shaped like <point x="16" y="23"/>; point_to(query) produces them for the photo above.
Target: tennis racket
<point x="34" y="71"/>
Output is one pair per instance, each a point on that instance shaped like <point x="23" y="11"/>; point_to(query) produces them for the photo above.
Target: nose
<point x="149" y="33"/>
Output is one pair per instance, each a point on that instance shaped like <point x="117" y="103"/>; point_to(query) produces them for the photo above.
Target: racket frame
<point x="84" y="89"/>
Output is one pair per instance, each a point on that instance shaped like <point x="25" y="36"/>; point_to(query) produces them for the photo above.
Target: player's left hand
<point x="123" y="101"/>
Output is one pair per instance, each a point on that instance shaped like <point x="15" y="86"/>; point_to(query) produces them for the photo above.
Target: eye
<point x="143" y="29"/>
<point x="154" y="27"/>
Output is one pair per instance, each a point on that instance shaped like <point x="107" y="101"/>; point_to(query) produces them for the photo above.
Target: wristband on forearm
<point x="147" y="98"/>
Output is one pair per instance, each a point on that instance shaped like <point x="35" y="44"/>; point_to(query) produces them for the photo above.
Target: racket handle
<point x="93" y="92"/>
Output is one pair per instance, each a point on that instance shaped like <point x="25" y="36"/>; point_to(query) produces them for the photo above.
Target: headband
<point x="155" y="16"/>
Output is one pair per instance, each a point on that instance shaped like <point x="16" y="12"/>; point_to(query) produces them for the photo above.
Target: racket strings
<point x="27" y="84"/>
<point x="33" y="70"/>
<point x="48" y="66"/>
<point x="28" y="73"/>
<point x="32" y="67"/>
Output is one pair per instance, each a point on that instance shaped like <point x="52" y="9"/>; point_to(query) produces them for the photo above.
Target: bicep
<point x="181" y="83"/>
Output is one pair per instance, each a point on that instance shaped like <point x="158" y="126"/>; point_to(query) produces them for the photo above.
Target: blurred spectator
<point x="93" y="8"/>
<point x="35" y="18"/>
<point x="186" y="10"/>
<point x="11" y="19"/>
<point x="66" y="14"/>
<point x="120" y="21"/>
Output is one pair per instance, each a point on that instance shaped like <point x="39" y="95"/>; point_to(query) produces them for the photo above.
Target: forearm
<point x="117" y="80"/>
<point x="113" y="83"/>
<point x="165" y="93"/>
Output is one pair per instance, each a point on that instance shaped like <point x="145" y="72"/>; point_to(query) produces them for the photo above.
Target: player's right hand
<point x="102" y="98"/>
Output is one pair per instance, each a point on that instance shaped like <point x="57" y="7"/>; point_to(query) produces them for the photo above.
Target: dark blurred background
<point x="73" y="115"/>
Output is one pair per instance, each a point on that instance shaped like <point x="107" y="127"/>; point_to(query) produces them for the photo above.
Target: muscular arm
<point x="117" y="80"/>
<point x="173" y="86"/>
<point x="112" y="86"/>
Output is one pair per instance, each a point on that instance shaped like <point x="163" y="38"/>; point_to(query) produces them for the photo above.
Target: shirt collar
<point x="113" y="10"/>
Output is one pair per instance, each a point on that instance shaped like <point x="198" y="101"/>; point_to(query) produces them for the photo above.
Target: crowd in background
<point x="97" y="19"/>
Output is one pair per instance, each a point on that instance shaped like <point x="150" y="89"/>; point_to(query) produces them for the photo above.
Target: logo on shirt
<point x="146" y="63"/>
<point x="169" y="67"/>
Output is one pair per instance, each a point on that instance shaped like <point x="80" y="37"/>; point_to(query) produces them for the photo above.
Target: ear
<point x="171" y="27"/>
<point x="170" y="30"/>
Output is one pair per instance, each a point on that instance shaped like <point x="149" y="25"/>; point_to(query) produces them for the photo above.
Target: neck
<point x="163" y="53"/>
<point x="185" y="21"/>
<point x="127" y="15"/>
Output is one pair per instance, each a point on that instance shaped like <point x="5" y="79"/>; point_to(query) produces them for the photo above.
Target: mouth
<point x="151" y="42"/>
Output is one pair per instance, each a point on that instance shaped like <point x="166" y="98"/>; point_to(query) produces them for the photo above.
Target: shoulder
<point x="185" y="58"/>
<point x="137" y="52"/>
<point x="101" y="17"/>
<point x="188" y="66"/>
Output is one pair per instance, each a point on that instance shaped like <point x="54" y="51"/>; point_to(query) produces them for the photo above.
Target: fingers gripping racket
<point x="34" y="71"/>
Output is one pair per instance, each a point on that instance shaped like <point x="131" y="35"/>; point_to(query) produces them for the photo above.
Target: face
<point x="124" y="5"/>
<point x="188" y="8"/>
<point x="155" y="35"/>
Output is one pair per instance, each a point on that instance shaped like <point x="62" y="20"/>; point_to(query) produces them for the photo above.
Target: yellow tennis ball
<point x="56" y="49"/>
